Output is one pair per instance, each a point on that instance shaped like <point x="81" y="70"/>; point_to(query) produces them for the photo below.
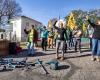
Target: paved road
<point x="76" y="66"/>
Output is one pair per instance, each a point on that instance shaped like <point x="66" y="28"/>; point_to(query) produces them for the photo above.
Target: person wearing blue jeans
<point x="71" y="42"/>
<point x="31" y="39"/>
<point x="90" y="33"/>
<point x="96" y="47"/>
<point x="60" y="40"/>
<point x="95" y="40"/>
<point x="30" y="46"/>
<point x="77" y="35"/>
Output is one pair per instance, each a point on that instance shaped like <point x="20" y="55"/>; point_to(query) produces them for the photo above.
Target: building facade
<point x="19" y="24"/>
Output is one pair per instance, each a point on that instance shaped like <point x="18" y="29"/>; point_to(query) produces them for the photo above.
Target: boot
<point x="98" y="58"/>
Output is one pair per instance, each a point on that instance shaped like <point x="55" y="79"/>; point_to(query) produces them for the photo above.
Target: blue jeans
<point x="90" y="43"/>
<point x="95" y="47"/>
<point x="71" y="42"/>
<point x="30" y="47"/>
<point x="60" y="43"/>
<point x="78" y="44"/>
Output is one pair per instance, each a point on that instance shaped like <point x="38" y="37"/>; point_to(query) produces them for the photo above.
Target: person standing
<point x="55" y="37"/>
<point x="77" y="35"/>
<point x="71" y="43"/>
<point x="50" y="38"/>
<point x="90" y="33"/>
<point x="44" y="36"/>
<point x="60" y="39"/>
<point x="31" y="37"/>
<point x="66" y="47"/>
<point x="95" y="40"/>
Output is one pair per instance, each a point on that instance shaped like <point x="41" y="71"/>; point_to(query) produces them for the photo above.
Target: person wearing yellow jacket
<point x="31" y="40"/>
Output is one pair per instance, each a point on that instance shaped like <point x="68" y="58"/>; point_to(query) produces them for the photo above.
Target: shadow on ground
<point x="63" y="67"/>
<point x="24" y="54"/>
<point x="85" y="55"/>
<point x="6" y="70"/>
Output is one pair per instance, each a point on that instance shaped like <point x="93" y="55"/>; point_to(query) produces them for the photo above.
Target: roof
<point x="31" y="19"/>
<point x="18" y="17"/>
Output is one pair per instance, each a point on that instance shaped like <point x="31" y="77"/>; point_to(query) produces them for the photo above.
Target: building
<point x="19" y="24"/>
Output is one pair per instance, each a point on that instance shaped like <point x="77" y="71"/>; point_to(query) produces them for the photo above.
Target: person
<point x="66" y="46"/>
<point x="95" y="40"/>
<point x="44" y="36"/>
<point x="50" y="38"/>
<point x="60" y="39"/>
<point x="90" y="34"/>
<point x="31" y="37"/>
<point x="77" y="35"/>
<point x="55" y="37"/>
<point x="71" y="43"/>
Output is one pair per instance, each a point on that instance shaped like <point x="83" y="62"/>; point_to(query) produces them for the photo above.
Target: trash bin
<point x="12" y="48"/>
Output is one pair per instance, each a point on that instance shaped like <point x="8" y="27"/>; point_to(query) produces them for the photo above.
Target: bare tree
<point x="13" y="9"/>
<point x="9" y="9"/>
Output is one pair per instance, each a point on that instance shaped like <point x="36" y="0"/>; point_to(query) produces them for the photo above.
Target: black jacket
<point x="96" y="33"/>
<point x="61" y="32"/>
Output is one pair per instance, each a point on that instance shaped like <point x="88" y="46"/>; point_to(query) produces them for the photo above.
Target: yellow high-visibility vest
<point x="31" y="35"/>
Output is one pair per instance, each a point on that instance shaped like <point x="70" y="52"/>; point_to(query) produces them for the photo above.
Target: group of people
<point x="62" y="38"/>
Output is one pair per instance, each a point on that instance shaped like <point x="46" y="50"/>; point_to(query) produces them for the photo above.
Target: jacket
<point x="31" y="36"/>
<point x="44" y="34"/>
<point x="61" y="33"/>
<point x="96" y="33"/>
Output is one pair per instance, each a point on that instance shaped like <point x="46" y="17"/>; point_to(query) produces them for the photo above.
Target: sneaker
<point x="62" y="58"/>
<point x="97" y="59"/>
<point x="93" y="58"/>
<point x="57" y="57"/>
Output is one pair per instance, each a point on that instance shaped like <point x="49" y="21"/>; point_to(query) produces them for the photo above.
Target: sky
<point x="44" y="10"/>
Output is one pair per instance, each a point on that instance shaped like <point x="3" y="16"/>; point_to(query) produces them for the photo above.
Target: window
<point x="27" y="23"/>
